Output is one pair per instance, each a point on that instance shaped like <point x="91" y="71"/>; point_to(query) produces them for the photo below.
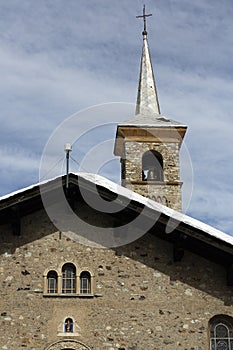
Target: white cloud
<point x="56" y="59"/>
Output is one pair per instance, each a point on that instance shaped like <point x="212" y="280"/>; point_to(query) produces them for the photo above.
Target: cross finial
<point x="144" y="19"/>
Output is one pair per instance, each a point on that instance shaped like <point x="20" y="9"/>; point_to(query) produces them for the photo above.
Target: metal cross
<point x="144" y="18"/>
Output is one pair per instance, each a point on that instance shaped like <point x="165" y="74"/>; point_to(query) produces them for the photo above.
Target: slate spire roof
<point x="147" y="107"/>
<point x="147" y="100"/>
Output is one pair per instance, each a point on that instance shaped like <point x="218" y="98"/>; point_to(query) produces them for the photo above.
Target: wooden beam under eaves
<point x="15" y="220"/>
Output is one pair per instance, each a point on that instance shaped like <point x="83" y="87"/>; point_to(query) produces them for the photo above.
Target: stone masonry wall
<point x="145" y="301"/>
<point x="169" y="195"/>
<point x="171" y="168"/>
<point x="135" y="150"/>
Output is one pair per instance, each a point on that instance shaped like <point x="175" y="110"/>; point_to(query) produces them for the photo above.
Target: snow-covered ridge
<point x="122" y="191"/>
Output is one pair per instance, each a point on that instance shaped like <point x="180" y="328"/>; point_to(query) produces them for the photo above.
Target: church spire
<point x="148" y="142"/>
<point x="147" y="99"/>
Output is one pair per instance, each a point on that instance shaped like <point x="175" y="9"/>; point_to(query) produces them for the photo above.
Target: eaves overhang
<point x="173" y="223"/>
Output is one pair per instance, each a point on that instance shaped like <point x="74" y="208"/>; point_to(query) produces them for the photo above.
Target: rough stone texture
<point x="169" y="193"/>
<point x="145" y="301"/>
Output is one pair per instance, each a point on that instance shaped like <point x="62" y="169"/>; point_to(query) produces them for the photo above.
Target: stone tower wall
<point x="168" y="193"/>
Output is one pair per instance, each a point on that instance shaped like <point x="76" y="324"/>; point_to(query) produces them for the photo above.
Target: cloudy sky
<point x="59" y="57"/>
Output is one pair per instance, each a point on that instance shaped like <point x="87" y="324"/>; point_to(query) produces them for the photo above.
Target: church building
<point x="75" y="275"/>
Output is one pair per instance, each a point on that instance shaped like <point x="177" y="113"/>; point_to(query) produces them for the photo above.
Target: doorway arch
<point x="67" y="344"/>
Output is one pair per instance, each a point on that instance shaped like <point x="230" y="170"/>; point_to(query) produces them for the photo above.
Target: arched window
<point x="152" y="166"/>
<point x="68" y="327"/>
<point x="52" y="282"/>
<point x="85" y="282"/>
<point x="221" y="333"/>
<point x="68" y="278"/>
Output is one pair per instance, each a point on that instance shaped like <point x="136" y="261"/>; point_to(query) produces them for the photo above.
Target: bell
<point x="151" y="174"/>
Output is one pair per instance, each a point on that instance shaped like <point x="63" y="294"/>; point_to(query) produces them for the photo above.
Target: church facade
<point x="169" y="286"/>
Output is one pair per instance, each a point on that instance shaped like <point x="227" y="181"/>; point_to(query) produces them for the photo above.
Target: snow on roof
<point x="151" y="120"/>
<point x="24" y="189"/>
<point x="122" y="191"/>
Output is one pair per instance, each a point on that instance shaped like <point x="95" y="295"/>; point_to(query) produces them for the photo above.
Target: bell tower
<point x="149" y="143"/>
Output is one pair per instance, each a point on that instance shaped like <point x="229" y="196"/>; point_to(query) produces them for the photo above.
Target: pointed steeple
<point x="147" y="99"/>
<point x="149" y="143"/>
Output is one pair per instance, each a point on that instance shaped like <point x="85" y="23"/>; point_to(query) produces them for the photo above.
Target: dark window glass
<point x="68" y="278"/>
<point x="85" y="283"/>
<point x="221" y="333"/>
<point x="52" y="282"/>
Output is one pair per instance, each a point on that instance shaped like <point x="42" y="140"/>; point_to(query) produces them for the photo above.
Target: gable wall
<point x="147" y="301"/>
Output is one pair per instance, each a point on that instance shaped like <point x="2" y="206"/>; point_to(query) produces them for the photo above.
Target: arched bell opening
<point x="152" y="166"/>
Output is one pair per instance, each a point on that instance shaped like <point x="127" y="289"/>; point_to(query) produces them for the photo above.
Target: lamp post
<point x="67" y="149"/>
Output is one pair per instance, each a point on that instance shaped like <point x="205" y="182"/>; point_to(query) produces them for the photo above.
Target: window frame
<point x="71" y="325"/>
<point x="68" y="278"/>
<point x="68" y="284"/>
<point x="215" y="338"/>
<point x="52" y="276"/>
<point x="85" y="290"/>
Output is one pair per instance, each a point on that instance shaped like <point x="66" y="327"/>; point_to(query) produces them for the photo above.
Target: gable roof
<point x="29" y="197"/>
